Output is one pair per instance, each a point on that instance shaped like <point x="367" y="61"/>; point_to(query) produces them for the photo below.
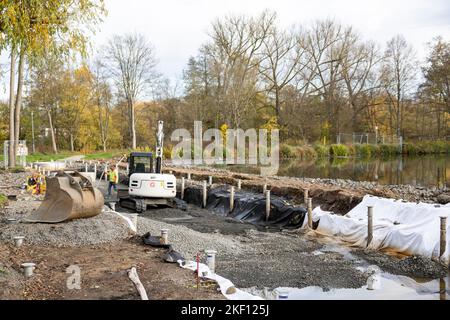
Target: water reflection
<point x="422" y="171"/>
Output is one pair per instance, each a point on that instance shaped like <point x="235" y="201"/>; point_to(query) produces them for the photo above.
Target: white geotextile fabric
<point x="224" y="283"/>
<point x="412" y="228"/>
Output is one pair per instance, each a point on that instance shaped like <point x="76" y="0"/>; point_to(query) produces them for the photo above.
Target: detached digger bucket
<point x="68" y="196"/>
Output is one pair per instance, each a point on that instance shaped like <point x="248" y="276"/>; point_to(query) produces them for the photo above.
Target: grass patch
<point x="3" y="200"/>
<point x="44" y="157"/>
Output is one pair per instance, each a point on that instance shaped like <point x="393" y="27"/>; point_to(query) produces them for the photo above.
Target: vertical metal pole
<point x="443" y="236"/>
<point x="32" y="132"/>
<point x="95" y="171"/>
<point x="239" y="184"/>
<point x="309" y="201"/>
<point x="205" y="193"/>
<point x="231" y="198"/>
<point x="210" y="180"/>
<point x="264" y="188"/>
<point x="267" y="205"/>
<point x="369" y="225"/>
<point x="182" y="188"/>
<point x="189" y="176"/>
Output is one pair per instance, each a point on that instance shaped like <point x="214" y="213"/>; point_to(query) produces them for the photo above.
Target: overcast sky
<point x="178" y="27"/>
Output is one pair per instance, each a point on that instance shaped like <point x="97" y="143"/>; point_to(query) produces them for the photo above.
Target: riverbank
<point x="363" y="150"/>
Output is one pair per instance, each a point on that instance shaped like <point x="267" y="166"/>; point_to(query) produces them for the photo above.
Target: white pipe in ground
<point x="211" y="260"/>
<point x="28" y="268"/>
<point x="164" y="236"/>
<point x="18" y="240"/>
<point x="134" y="218"/>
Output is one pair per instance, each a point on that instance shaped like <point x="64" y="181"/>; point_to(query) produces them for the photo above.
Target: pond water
<point x="423" y="171"/>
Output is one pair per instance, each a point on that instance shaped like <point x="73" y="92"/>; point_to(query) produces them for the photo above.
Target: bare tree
<point x="102" y="97"/>
<point x="360" y="74"/>
<point x="398" y="76"/>
<point x="282" y="60"/>
<point x="132" y="63"/>
<point x="236" y="41"/>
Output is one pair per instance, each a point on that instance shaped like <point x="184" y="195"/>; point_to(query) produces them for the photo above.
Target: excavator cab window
<point x="141" y="162"/>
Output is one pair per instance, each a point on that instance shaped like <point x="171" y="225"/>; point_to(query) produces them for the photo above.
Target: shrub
<point x="286" y="151"/>
<point x="388" y="149"/>
<point x="339" y="150"/>
<point x="363" y="150"/>
<point x="321" y="150"/>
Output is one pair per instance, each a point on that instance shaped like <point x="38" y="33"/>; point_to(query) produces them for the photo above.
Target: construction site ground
<point x="104" y="248"/>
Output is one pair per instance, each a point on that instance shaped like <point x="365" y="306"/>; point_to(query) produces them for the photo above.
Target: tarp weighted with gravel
<point x="407" y="227"/>
<point x="249" y="207"/>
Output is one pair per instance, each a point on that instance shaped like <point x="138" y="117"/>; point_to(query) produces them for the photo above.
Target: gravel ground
<point x="104" y="228"/>
<point x="247" y="256"/>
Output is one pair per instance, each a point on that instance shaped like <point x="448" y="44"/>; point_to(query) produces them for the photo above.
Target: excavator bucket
<point x="68" y="196"/>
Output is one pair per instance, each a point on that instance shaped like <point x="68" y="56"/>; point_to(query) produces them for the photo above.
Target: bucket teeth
<point x="68" y="196"/>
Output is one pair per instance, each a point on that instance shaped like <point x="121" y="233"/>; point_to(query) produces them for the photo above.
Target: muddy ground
<point x="103" y="273"/>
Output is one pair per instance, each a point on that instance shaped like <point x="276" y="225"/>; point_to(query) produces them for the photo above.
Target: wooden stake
<point x="305" y="196"/>
<point x="369" y="225"/>
<point x="182" y="188"/>
<point x="132" y="274"/>
<point x="443" y="236"/>
<point x="267" y="205"/>
<point x="205" y="193"/>
<point x="309" y="202"/>
<point x="231" y="198"/>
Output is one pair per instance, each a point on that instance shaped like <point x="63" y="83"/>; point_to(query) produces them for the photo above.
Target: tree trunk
<point x="52" y="131"/>
<point x="71" y="143"/>
<point x="12" y="81"/>
<point x="19" y="98"/>
<point x="132" y="125"/>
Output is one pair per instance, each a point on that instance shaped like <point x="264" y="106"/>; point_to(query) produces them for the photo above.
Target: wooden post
<point x="369" y="225"/>
<point x="86" y="167"/>
<point x="231" y="198"/>
<point x="132" y="274"/>
<point x="210" y="180"/>
<point x="205" y="193"/>
<point x="239" y="184"/>
<point x="305" y="196"/>
<point x="309" y="204"/>
<point x="182" y="188"/>
<point x="443" y="236"/>
<point x="106" y="169"/>
<point x="189" y="176"/>
<point x="264" y="188"/>
<point x="267" y="205"/>
<point x="95" y="171"/>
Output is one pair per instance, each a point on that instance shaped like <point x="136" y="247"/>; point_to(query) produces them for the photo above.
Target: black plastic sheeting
<point x="249" y="207"/>
<point x="170" y="255"/>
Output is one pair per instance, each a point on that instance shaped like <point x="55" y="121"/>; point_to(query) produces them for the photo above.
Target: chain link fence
<point x="21" y="155"/>
<point x="367" y="138"/>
